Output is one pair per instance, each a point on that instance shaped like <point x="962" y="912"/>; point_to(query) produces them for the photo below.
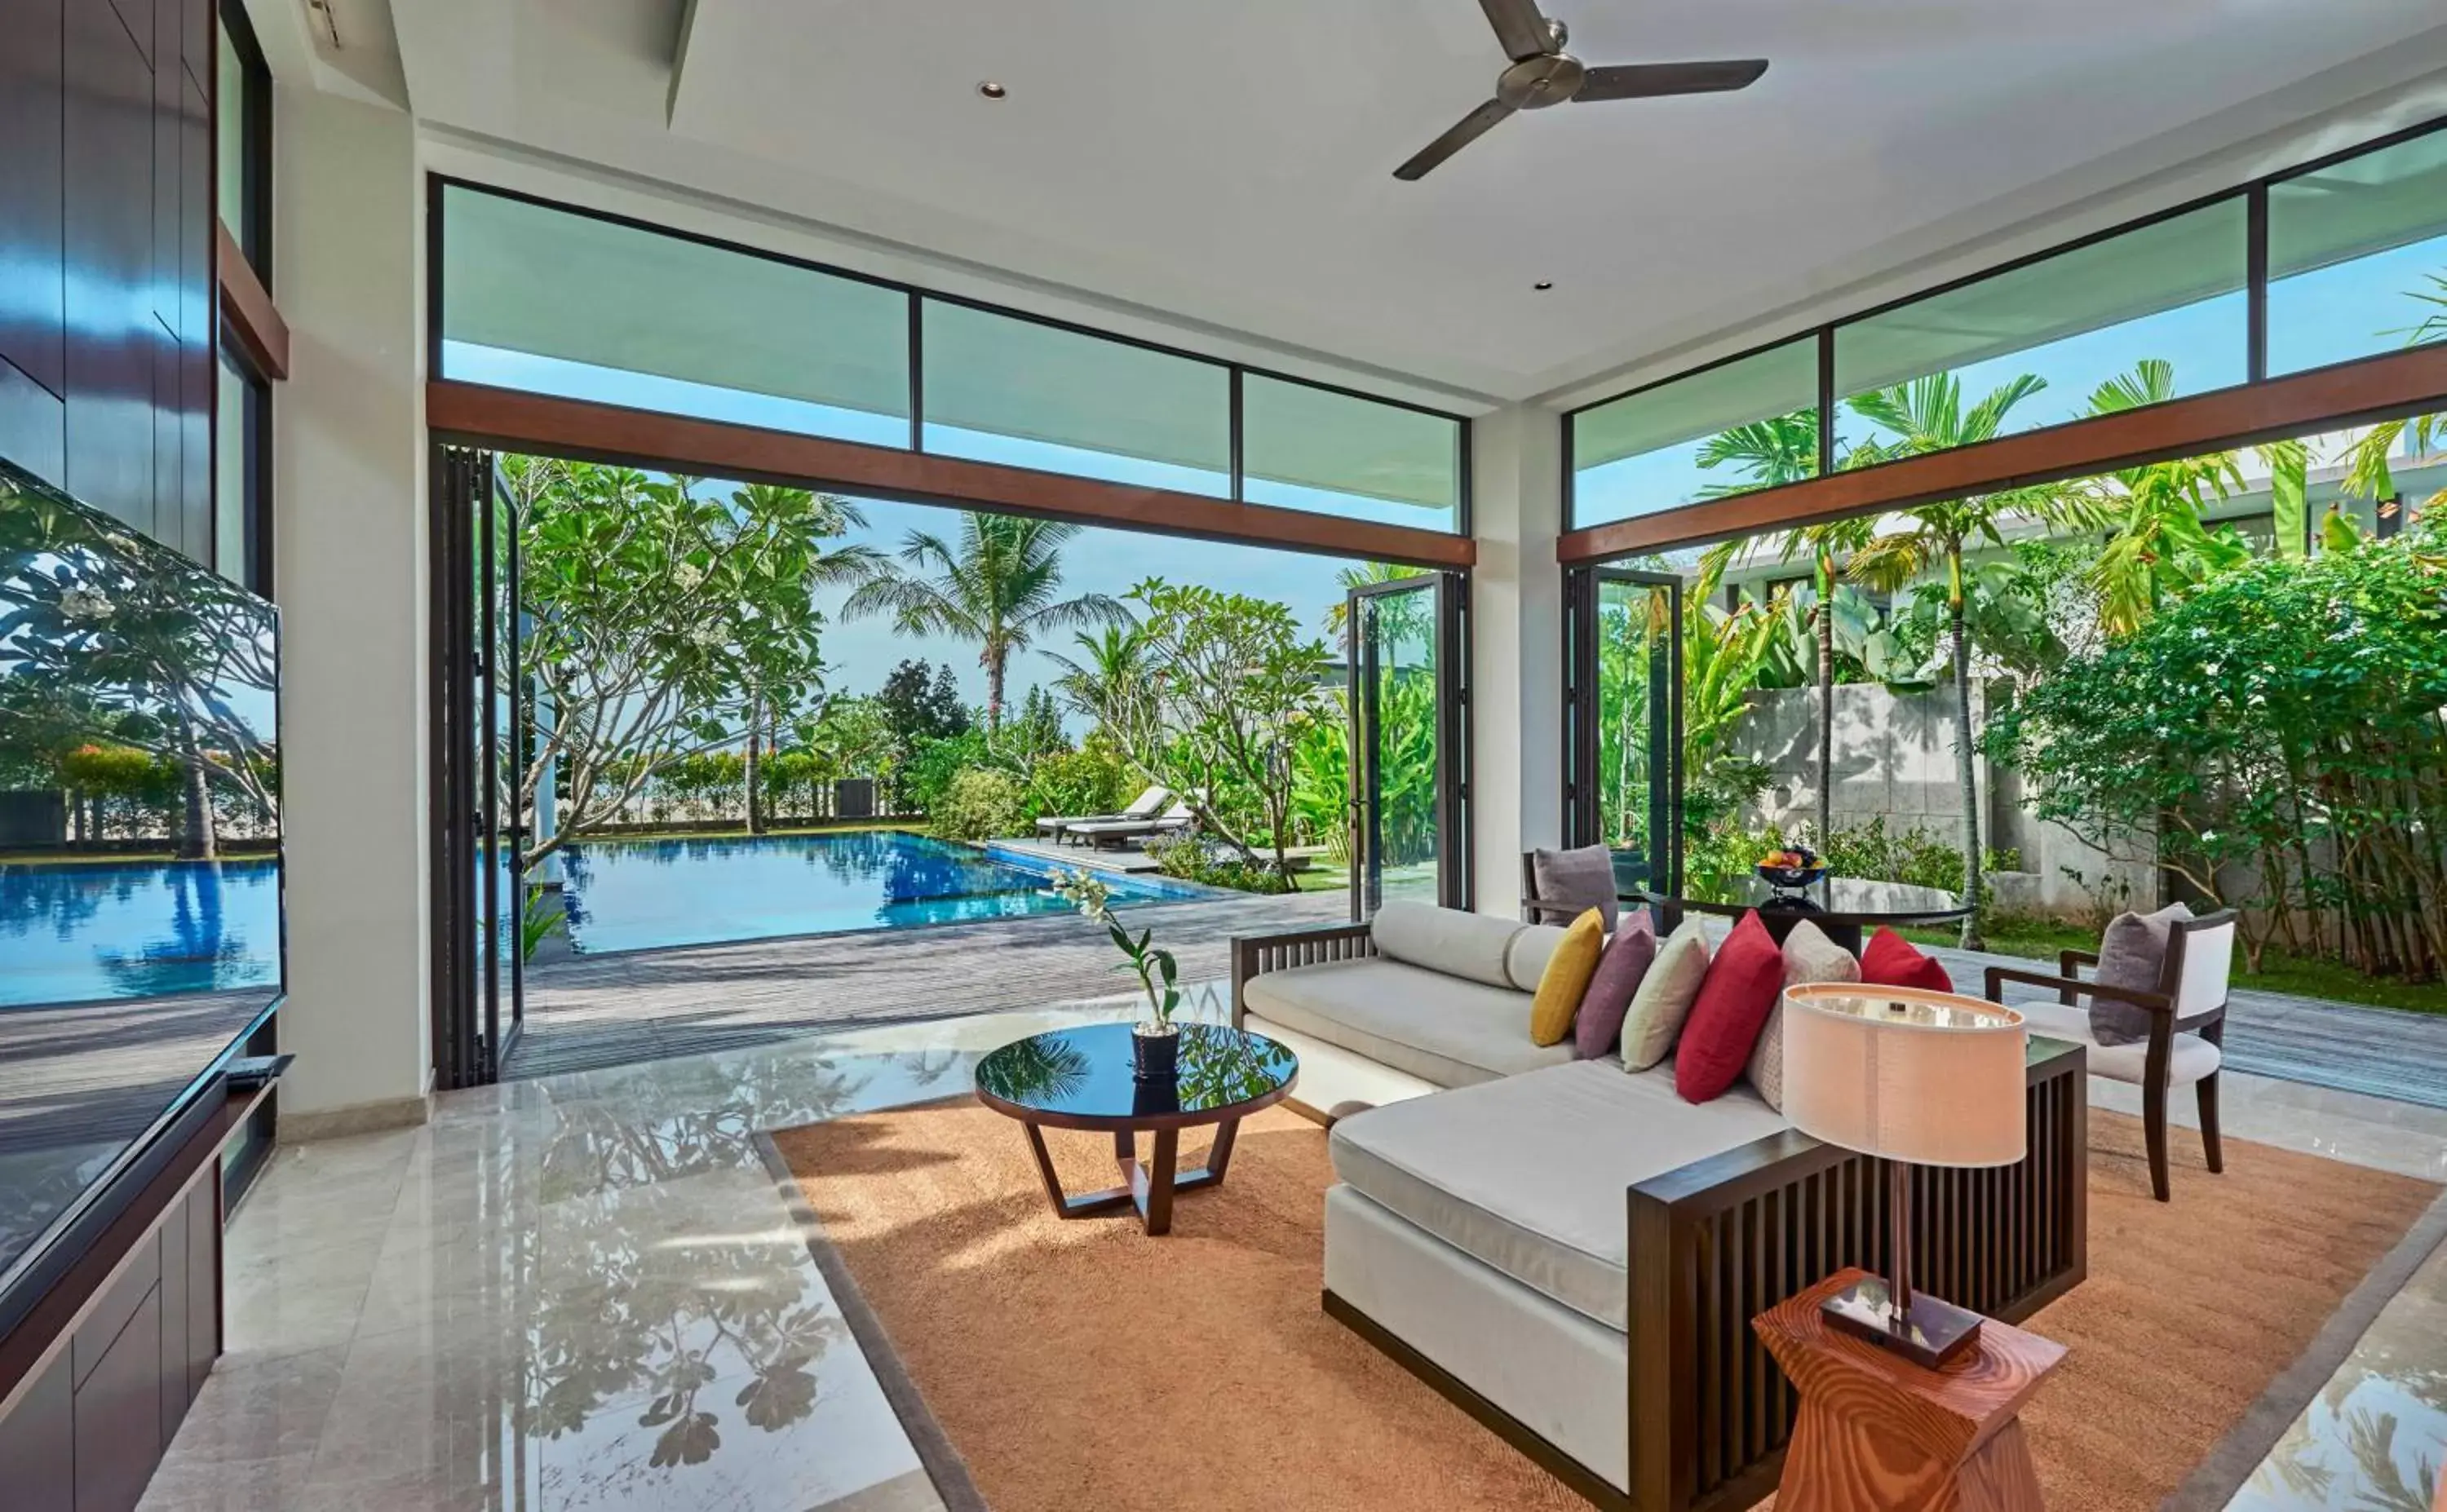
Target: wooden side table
<point x="1877" y="1433"/>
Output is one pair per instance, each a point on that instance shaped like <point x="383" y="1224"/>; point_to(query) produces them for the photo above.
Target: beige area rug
<point x="1081" y="1364"/>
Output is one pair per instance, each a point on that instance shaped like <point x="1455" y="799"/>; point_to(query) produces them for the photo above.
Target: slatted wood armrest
<point x="2069" y="986"/>
<point x="1253" y="956"/>
<point x="2068" y="961"/>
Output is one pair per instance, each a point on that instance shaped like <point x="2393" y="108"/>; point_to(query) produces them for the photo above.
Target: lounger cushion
<point x="1565" y="978"/>
<point x="1528" y="1174"/>
<point x="1472" y="946"/>
<point x="1743" y="980"/>
<point x="2192" y="1059"/>
<point x="1662" y="1001"/>
<point x="1440" y="1029"/>
<point x="1628" y="955"/>
<point x="2132" y="953"/>
<point x="1891" y="960"/>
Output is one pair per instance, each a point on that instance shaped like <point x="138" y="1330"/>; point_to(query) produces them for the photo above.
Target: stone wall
<point x="1894" y="760"/>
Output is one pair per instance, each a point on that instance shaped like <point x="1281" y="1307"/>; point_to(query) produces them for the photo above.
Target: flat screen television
<point x="141" y="917"/>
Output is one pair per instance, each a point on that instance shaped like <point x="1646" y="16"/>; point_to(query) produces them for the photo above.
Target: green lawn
<point x="2040" y="940"/>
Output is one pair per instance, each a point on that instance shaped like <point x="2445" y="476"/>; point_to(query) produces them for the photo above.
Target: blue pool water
<point x="78" y="932"/>
<point x="640" y="894"/>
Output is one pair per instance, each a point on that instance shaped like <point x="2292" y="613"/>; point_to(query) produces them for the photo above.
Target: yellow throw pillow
<point x="1565" y="978"/>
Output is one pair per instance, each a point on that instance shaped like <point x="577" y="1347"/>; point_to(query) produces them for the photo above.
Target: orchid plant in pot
<point x="1155" y="1041"/>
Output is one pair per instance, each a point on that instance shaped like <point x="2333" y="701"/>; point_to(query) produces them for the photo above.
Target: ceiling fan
<point x="1542" y="74"/>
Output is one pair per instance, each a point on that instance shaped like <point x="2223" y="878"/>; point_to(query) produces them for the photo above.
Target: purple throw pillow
<point x="1602" y="1007"/>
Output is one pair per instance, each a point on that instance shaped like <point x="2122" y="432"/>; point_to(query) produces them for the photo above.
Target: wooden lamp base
<point x="1924" y="1331"/>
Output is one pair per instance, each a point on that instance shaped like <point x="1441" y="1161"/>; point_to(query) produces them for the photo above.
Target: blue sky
<point x="860" y="651"/>
<point x="2330" y="314"/>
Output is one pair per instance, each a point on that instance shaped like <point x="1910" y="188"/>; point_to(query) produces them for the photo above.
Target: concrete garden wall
<point x="1894" y="760"/>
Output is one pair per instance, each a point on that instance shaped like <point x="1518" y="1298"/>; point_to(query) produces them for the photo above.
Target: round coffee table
<point x="1840" y="906"/>
<point x="1080" y="1078"/>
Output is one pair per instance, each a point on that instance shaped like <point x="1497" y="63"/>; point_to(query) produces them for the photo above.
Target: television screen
<point x="140" y="922"/>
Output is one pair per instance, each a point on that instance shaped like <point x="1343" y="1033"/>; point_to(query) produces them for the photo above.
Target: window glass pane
<point x="230" y="475"/>
<point x="1001" y="388"/>
<point x="1748" y="424"/>
<point x="2358" y="256"/>
<point x="1333" y="454"/>
<point x="229" y="138"/>
<point x="2034" y="344"/>
<point x="561" y="303"/>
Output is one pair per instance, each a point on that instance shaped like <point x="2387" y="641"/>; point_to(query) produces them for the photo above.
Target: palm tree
<point x="998" y="586"/>
<point x="1111" y="681"/>
<point x="1366" y="574"/>
<point x="1784" y="449"/>
<point x="2367" y="474"/>
<point x="2157" y="543"/>
<point x="1927" y="415"/>
<point x="823" y="516"/>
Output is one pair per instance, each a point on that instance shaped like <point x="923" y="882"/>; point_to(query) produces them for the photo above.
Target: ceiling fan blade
<point x="1518" y="26"/>
<point x="1469" y="129"/>
<point x="1648" y="81"/>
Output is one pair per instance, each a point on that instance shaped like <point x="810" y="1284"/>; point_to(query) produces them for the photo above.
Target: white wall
<point x="348" y="535"/>
<point x="1516" y="649"/>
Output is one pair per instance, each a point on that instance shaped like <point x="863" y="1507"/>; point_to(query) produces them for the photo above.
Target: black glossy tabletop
<point x="1835" y="899"/>
<point x="1083" y="1075"/>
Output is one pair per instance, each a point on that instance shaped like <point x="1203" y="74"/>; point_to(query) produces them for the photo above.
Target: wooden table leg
<point x="1094" y="1205"/>
<point x="1151" y="1184"/>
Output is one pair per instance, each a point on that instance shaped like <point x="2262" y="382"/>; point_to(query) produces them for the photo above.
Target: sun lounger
<point x="1121" y="831"/>
<point x="1143" y="807"/>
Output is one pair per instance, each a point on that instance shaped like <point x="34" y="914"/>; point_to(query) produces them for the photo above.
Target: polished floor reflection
<point x="585" y="1291"/>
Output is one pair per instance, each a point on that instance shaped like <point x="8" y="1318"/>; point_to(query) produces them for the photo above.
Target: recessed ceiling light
<point x="1543" y="285"/>
<point x="991" y="89"/>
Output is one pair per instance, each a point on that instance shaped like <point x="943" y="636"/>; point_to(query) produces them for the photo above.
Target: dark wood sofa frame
<point x="1720" y="1240"/>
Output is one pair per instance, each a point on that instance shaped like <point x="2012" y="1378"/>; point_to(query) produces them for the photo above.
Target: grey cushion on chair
<point x="2132" y="955"/>
<point x="1580" y="879"/>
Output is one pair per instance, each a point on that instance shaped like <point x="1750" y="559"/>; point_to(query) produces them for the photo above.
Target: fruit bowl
<point x="1790" y="869"/>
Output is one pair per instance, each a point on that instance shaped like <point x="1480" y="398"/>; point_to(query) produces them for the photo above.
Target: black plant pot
<point x="1155" y="1056"/>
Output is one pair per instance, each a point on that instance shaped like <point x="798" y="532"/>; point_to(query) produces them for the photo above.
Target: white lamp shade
<point x="1925" y="1077"/>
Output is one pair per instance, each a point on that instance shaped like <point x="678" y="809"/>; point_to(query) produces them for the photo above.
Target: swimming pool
<point x="78" y="932"/>
<point x="645" y="894"/>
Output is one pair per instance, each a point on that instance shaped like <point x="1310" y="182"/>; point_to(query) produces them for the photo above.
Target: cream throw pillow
<point x="1665" y="995"/>
<point x="1565" y="978"/>
<point x="1809" y="956"/>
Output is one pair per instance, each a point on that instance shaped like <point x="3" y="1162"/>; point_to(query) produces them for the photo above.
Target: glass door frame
<point x="474" y="656"/>
<point x="1583" y="594"/>
<point x="1448" y="598"/>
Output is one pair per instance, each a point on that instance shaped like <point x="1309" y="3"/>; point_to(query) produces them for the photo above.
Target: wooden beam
<point x="514" y="420"/>
<point x="2400" y="383"/>
<point x="247" y="313"/>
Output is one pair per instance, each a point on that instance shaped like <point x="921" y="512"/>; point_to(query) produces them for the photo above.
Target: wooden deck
<point x="646" y="1005"/>
<point x="612" y="1009"/>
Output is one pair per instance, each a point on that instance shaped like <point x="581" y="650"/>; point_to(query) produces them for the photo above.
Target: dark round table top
<point x="1081" y="1078"/>
<point x="1830" y="901"/>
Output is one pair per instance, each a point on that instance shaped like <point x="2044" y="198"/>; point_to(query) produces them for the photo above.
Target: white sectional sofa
<point x="1571" y="1251"/>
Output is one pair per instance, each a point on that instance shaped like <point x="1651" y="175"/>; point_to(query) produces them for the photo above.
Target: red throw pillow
<point x="1733" y="1006"/>
<point x="1891" y="960"/>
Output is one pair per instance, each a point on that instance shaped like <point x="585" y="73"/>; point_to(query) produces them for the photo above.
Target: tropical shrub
<point x="933" y="764"/>
<point x="1193" y="860"/>
<point x="980" y="804"/>
<point x="2276" y="738"/>
<point x="1095" y="779"/>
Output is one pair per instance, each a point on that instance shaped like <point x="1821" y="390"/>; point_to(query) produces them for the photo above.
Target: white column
<point x="349" y="538"/>
<point x="1516" y="649"/>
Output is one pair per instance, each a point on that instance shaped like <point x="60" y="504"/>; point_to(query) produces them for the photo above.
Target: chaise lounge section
<point x="1572" y="1253"/>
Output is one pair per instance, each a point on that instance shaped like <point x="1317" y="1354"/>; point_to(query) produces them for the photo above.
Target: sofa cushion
<point x="1891" y="960"/>
<point x="1627" y="958"/>
<point x="1734" y="1003"/>
<point x="1439" y="1029"/>
<point x="1446" y="940"/>
<point x="2132" y="953"/>
<point x="1580" y="878"/>
<point x="1809" y="956"/>
<point x="1526" y="959"/>
<point x="1569" y="966"/>
<point x="1528" y="1174"/>
<point x="2192" y="1059"/>
<point x="1664" y="999"/>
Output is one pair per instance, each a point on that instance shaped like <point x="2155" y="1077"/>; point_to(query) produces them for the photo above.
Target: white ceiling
<point x="1229" y="163"/>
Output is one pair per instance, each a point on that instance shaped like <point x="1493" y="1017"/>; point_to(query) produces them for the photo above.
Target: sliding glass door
<point x="1409" y="838"/>
<point x="1623" y="783"/>
<point x="480" y="747"/>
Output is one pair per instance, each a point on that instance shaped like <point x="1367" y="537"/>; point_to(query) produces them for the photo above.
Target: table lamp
<point x="1915" y="1078"/>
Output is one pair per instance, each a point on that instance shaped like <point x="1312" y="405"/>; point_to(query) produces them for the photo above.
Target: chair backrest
<point x="2200" y="961"/>
<point x="1576" y="880"/>
<point x="1147" y="805"/>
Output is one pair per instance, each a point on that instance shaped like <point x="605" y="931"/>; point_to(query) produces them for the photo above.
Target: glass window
<point x="1004" y="389"/>
<point x="1748" y="424"/>
<point x="2035" y="344"/>
<point x="1337" y="454"/>
<point x="241" y="109"/>
<point x="2358" y="256"/>
<point x="561" y="303"/>
<point x="242" y="403"/>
